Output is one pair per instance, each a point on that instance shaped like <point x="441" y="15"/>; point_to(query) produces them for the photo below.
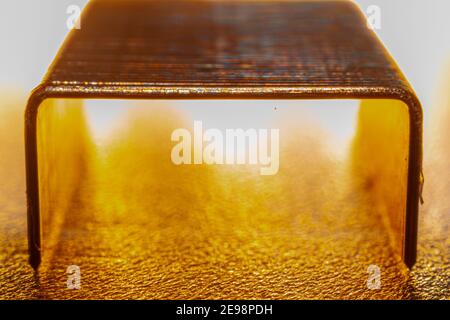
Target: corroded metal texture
<point x="224" y="50"/>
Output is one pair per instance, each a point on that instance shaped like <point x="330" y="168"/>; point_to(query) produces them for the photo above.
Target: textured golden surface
<point x="225" y="233"/>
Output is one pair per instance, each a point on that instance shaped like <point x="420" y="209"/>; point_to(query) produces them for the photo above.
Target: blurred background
<point x="416" y="33"/>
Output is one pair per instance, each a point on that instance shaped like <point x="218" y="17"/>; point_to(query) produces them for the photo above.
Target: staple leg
<point x="32" y="185"/>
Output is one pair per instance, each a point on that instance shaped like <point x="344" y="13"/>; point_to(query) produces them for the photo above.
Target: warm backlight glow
<point x="115" y="170"/>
